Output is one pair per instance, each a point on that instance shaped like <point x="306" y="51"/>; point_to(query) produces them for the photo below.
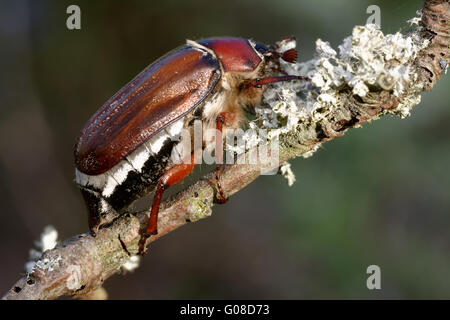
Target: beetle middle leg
<point x="219" y="156"/>
<point x="171" y="177"/>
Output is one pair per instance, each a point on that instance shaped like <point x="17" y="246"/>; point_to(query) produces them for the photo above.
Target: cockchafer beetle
<point x="123" y="151"/>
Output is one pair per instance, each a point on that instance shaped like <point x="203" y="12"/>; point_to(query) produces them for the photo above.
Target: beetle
<point x="123" y="151"/>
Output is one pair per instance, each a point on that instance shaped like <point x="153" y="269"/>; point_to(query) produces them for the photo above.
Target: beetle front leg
<point x="268" y="80"/>
<point x="171" y="177"/>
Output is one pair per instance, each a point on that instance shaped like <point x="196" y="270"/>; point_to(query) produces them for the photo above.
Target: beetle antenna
<point x="289" y="55"/>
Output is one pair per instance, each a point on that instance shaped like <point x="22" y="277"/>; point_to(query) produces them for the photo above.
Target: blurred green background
<point x="379" y="195"/>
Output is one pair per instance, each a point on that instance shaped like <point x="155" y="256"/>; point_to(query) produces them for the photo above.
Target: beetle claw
<point x="221" y="199"/>
<point x="142" y="242"/>
<point x="142" y="252"/>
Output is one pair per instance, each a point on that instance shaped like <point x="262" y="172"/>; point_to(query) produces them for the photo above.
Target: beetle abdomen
<point x="136" y="161"/>
<point x="108" y="193"/>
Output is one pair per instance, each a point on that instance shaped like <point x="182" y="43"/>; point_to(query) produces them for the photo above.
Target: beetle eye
<point x="261" y="48"/>
<point x="289" y="55"/>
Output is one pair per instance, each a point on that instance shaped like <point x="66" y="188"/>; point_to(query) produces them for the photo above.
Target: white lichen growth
<point x="368" y="60"/>
<point x="416" y="20"/>
<point x="48" y="240"/>
<point x="444" y="65"/>
<point x="47" y="264"/>
<point x="73" y="281"/>
<point x="309" y="153"/>
<point x="286" y="171"/>
<point x="404" y="108"/>
<point x="132" y="263"/>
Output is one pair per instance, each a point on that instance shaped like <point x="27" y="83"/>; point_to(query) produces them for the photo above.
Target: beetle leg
<point x="262" y="81"/>
<point x="219" y="155"/>
<point x="278" y="69"/>
<point x="171" y="177"/>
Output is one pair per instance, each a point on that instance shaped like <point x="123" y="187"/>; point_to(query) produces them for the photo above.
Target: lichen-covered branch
<point x="373" y="74"/>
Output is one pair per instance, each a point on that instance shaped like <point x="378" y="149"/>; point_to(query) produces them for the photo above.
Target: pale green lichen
<point x="367" y="60"/>
<point x="198" y="208"/>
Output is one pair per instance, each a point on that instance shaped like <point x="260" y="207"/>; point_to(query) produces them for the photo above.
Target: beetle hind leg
<point x="171" y="177"/>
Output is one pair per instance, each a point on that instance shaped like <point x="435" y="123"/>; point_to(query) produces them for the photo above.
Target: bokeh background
<point x="379" y="195"/>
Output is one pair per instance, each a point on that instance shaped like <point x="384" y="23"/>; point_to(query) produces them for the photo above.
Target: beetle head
<point x="283" y="49"/>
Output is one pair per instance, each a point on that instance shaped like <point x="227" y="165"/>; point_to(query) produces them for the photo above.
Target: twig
<point x="81" y="264"/>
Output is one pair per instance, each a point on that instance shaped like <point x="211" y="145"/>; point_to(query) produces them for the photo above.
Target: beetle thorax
<point x="233" y="96"/>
